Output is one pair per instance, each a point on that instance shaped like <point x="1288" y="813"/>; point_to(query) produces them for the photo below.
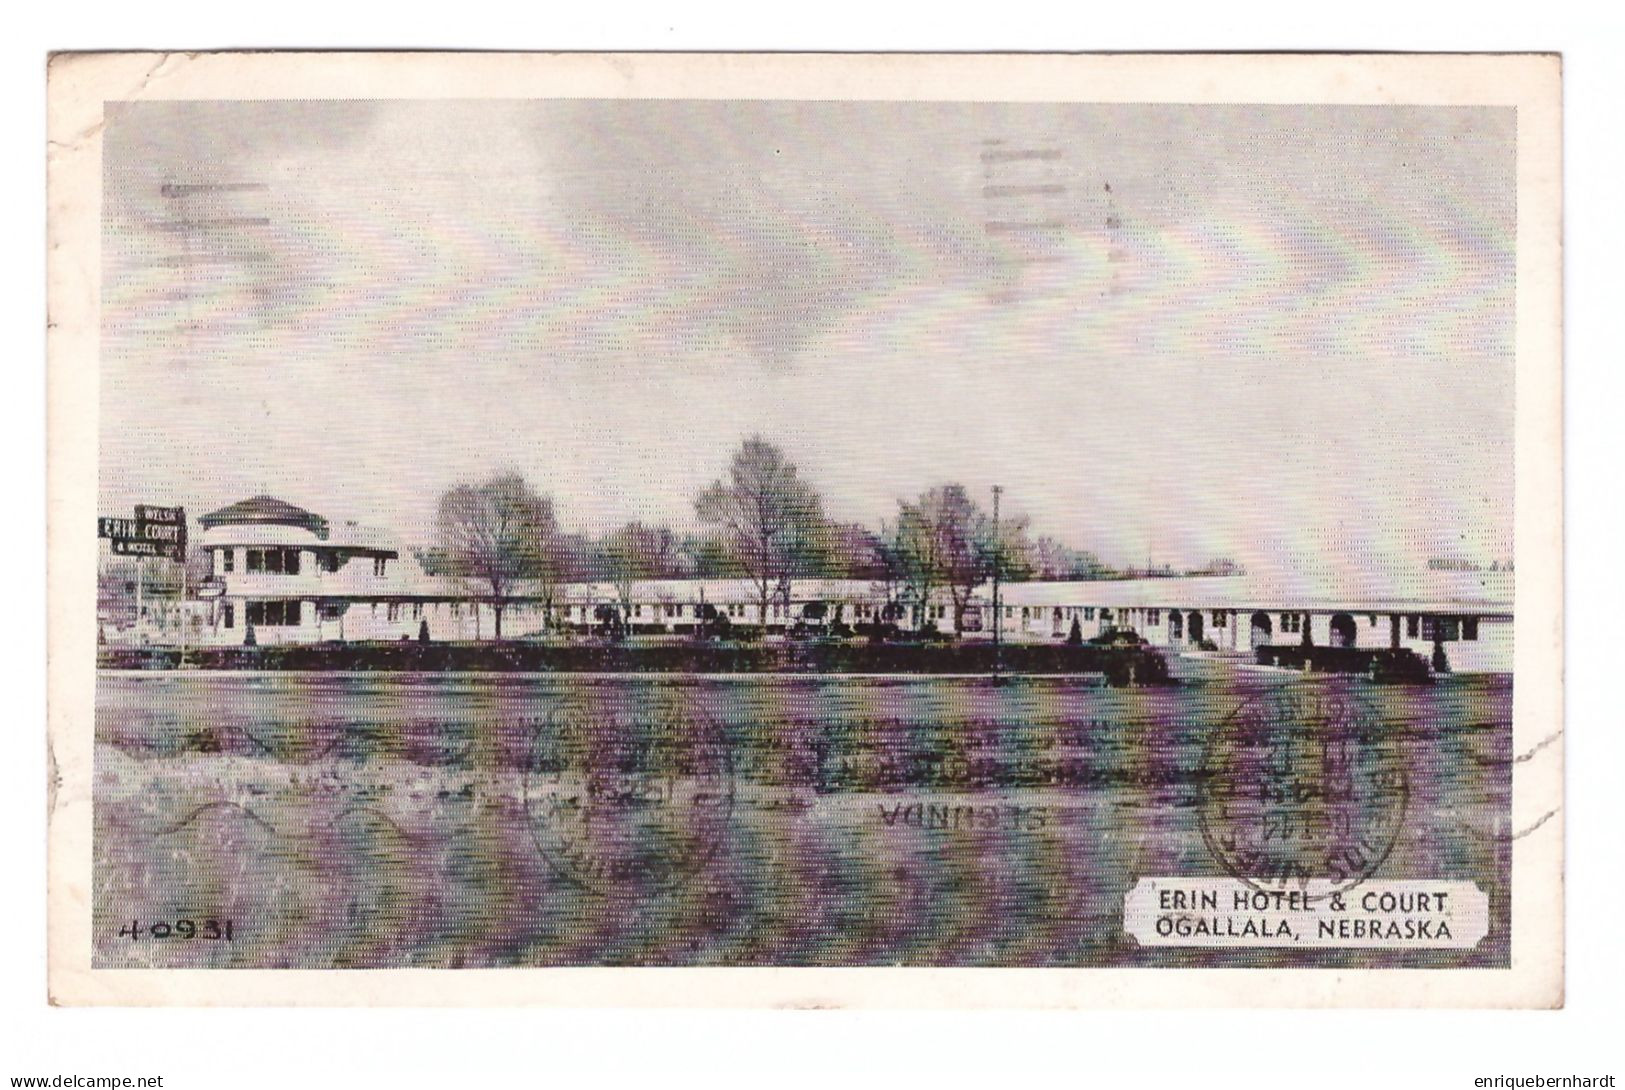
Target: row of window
<point x="1443" y="629"/>
<point x="1153" y="617"/>
<point x="275" y="561"/>
<point x="265" y="614"/>
<point x="891" y="611"/>
<point x="1062" y="613"/>
<point x="670" y="609"/>
<point x="1417" y="626"/>
<point x="286" y="561"/>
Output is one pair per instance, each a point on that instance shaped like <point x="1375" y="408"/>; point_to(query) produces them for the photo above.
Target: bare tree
<point x="886" y="565"/>
<point x="554" y="562"/>
<point x="496" y="532"/>
<point x="767" y="514"/>
<point x="1013" y="551"/>
<point x="633" y="553"/>
<point x="807" y="548"/>
<point x="967" y="545"/>
<point x="1053" y="559"/>
<point x="946" y="540"/>
<point x="916" y="548"/>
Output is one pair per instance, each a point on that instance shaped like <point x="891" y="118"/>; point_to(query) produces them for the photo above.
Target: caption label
<point x="1391" y="915"/>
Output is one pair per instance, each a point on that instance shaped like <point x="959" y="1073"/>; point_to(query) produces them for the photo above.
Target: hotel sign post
<point x="154" y="531"/>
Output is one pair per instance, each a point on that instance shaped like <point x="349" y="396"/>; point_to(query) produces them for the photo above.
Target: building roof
<point x="1485" y="593"/>
<point x="265" y="511"/>
<point x="1352" y="591"/>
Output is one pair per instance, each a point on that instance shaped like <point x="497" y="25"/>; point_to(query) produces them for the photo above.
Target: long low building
<point x="288" y="575"/>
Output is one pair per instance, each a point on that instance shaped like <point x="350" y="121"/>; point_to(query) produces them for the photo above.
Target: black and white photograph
<point x="809" y="514"/>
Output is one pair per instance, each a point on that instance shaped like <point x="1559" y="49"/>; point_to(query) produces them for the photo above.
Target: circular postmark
<point x="628" y="799"/>
<point x="1301" y="785"/>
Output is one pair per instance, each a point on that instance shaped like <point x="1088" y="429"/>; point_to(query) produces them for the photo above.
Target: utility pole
<point x="140" y="621"/>
<point x="998" y="563"/>
<point x="182" y="663"/>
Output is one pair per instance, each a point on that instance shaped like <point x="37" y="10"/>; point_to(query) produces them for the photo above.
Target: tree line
<point x="762" y="521"/>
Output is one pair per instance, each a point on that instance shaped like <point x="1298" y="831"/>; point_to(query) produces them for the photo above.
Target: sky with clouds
<point x="1278" y="334"/>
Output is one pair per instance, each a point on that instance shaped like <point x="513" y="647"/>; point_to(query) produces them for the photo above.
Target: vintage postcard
<point x="805" y="530"/>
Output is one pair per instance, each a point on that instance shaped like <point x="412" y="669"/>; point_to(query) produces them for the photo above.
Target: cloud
<point x="1181" y="329"/>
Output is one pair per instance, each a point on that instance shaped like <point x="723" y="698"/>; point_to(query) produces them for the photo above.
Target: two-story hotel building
<point x="290" y="575"/>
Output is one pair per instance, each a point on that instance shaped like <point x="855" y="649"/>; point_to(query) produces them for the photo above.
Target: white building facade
<point x="288" y="575"/>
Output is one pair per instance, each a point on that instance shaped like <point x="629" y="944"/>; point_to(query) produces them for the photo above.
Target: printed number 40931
<point x="214" y="930"/>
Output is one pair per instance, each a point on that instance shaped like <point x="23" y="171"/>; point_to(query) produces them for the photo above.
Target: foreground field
<point x="368" y="820"/>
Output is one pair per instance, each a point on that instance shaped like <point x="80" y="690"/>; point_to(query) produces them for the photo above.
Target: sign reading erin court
<point x="155" y="531"/>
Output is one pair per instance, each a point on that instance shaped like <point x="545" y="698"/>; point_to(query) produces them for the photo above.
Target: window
<point x="1412" y="623"/>
<point x="1441" y="628"/>
<point x="394" y="611"/>
<point x="1153" y="617"/>
<point x="1292" y="622"/>
<point x="1469" y="628"/>
<point x="273" y="614"/>
<point x="228" y="562"/>
<point x="378" y="565"/>
<point x="1089" y="613"/>
<point x="275" y="561"/>
<point x="229" y="613"/>
<point x="1220" y="618"/>
<point x="1105" y="615"/>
